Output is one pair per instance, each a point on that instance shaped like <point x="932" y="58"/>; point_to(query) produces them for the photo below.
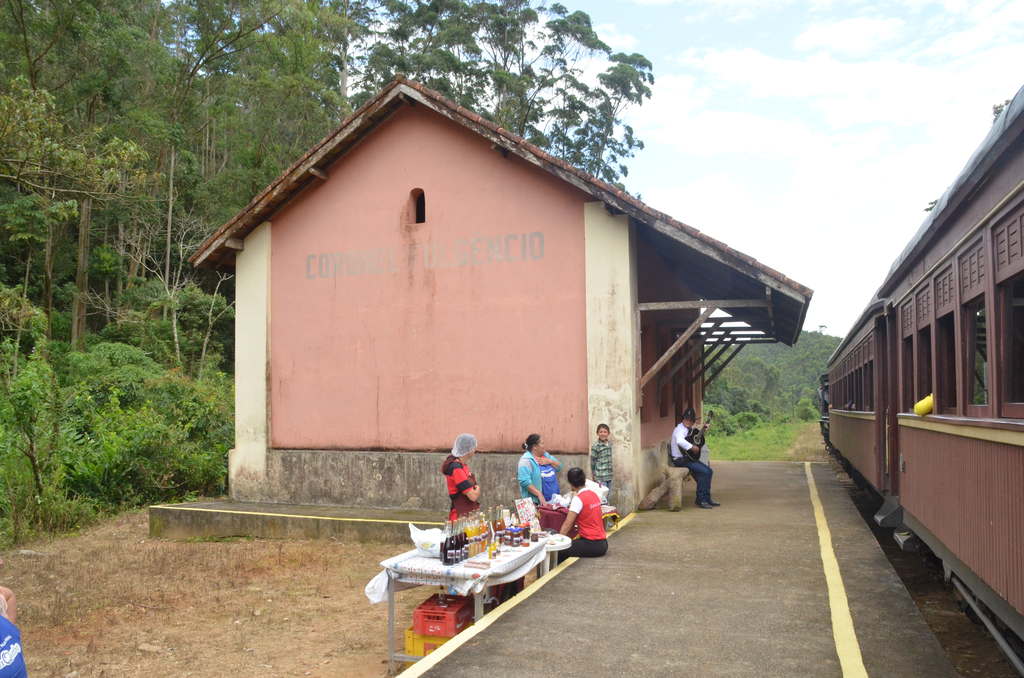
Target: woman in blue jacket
<point x="537" y="471"/>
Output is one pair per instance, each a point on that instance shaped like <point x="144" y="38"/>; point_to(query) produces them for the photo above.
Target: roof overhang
<point x="789" y="298"/>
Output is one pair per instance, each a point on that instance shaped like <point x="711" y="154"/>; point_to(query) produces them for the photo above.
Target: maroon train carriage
<point x="948" y="320"/>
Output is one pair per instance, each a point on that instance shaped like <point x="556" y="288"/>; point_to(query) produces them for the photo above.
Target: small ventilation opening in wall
<point x="417" y="206"/>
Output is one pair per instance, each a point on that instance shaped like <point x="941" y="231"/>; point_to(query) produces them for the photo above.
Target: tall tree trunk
<point x="53" y="233"/>
<point x="174" y="328"/>
<point x="119" y="284"/>
<point x="21" y="326"/>
<point x="81" y="274"/>
<point x="170" y="215"/>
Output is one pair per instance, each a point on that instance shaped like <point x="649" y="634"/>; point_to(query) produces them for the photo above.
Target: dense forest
<point x="770" y="383"/>
<point x="131" y="129"/>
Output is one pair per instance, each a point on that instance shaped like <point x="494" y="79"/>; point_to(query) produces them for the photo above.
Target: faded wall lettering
<point x="479" y="250"/>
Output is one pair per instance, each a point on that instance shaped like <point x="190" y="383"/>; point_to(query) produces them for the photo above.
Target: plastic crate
<point x="430" y="619"/>
<point x="419" y="645"/>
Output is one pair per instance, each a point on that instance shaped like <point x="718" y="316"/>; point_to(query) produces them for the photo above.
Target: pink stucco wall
<point x="398" y="335"/>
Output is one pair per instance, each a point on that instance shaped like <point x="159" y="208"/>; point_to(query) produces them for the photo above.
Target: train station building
<point x="421" y="273"/>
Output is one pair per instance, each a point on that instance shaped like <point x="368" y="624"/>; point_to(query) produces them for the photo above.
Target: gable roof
<point x="218" y="250"/>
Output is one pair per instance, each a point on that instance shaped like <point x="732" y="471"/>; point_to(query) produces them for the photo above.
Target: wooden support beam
<point x="318" y="173"/>
<point x="724" y="304"/>
<point x="678" y="366"/>
<point x="736" y="352"/>
<point x="676" y="345"/>
<point x="719" y="349"/>
<point x="236" y="244"/>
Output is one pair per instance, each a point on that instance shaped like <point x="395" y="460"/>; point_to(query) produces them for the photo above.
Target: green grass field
<point x="795" y="441"/>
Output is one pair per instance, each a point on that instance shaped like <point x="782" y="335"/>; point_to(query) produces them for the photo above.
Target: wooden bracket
<point x="236" y="244"/>
<point x="319" y="173"/>
<point x="724" y="304"/>
<point x="676" y="345"/>
<point x="736" y="351"/>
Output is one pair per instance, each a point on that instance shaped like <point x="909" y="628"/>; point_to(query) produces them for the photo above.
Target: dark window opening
<point x="924" y="362"/>
<point x="858" y="385"/>
<point x="945" y="348"/>
<point x="1014" y="334"/>
<point x="417" y="206"/>
<point x="869" y="386"/>
<point x="907" y="363"/>
<point x="976" y="328"/>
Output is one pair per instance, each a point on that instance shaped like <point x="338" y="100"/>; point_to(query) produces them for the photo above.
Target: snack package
<point x="427" y="542"/>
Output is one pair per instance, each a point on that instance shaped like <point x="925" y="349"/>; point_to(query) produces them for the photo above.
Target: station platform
<point x="204" y="519"/>
<point x="745" y="589"/>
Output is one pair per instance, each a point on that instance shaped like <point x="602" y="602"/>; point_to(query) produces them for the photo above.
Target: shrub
<point x="745" y="421"/>
<point x="804" y="410"/>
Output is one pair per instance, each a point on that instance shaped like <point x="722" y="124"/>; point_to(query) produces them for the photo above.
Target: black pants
<point x="585" y="548"/>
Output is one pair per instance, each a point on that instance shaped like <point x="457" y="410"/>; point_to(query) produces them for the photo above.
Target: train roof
<point x="1005" y="130"/>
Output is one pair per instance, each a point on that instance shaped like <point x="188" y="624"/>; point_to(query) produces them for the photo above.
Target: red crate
<point x="430" y="619"/>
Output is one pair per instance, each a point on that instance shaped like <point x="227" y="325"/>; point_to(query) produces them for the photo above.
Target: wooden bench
<point x="669" y="492"/>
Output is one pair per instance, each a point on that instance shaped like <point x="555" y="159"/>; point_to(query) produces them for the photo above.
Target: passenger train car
<point x="948" y="321"/>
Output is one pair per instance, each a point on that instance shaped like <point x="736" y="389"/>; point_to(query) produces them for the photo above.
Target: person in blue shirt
<point x="12" y="660"/>
<point x="537" y="472"/>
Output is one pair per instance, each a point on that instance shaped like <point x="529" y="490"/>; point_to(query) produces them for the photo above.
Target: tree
<point x="526" y="67"/>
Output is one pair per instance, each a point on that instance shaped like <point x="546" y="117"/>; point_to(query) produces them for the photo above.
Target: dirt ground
<point x="807" y="446"/>
<point x="113" y="602"/>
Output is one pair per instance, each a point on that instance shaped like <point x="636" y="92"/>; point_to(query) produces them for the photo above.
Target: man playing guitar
<point x="683" y="452"/>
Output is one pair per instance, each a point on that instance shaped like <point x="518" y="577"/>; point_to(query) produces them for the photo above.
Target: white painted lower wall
<point x="612" y="345"/>
<point x="247" y="462"/>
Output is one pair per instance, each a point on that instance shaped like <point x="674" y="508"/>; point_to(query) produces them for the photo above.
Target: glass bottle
<point x="445" y="543"/>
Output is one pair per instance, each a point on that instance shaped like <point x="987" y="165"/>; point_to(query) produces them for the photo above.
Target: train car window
<point x="1013" y="298"/>
<point x="869" y="385"/>
<point x="945" y="363"/>
<point x="976" y="339"/>
<point x="858" y="395"/>
<point x="907" y="373"/>
<point x="924" y="362"/>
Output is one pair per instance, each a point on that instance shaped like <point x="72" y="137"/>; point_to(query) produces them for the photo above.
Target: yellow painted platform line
<point x="295" y="515"/>
<point x="435" y="657"/>
<point x="843" y="632"/>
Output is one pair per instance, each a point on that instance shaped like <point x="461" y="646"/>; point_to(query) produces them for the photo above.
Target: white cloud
<point x="856" y="36"/>
<point x="817" y="166"/>
<point x="614" y="38"/>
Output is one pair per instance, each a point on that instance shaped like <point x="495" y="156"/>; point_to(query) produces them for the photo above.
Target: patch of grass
<point x="767" y="442"/>
<point x="218" y="540"/>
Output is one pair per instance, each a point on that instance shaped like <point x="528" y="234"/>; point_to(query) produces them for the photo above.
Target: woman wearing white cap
<point x="462" y="488"/>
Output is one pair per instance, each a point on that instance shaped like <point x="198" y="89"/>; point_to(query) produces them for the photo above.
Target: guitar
<point x="696" y="437"/>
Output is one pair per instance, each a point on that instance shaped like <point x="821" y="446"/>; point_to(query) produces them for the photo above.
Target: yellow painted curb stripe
<point x="843" y="632"/>
<point x="432" y="659"/>
<point x="295" y="515"/>
<point x="622" y="523"/>
<point x="435" y="657"/>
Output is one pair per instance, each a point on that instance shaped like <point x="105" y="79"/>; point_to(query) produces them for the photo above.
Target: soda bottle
<point x="445" y="544"/>
<point x="500" y="527"/>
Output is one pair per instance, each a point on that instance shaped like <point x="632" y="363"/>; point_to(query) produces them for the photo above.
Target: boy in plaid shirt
<point x="601" y="459"/>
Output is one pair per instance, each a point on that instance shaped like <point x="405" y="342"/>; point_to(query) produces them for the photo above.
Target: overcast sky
<point x="811" y="134"/>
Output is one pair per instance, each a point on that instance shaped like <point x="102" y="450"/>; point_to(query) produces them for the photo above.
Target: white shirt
<point x="679" y="440"/>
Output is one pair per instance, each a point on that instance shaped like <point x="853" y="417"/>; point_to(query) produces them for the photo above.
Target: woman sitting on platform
<point x="585" y="511"/>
